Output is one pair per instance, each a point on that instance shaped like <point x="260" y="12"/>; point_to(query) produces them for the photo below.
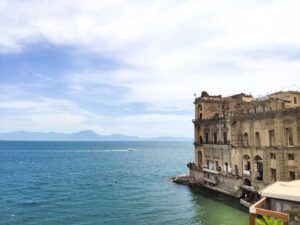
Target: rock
<point x="183" y="179"/>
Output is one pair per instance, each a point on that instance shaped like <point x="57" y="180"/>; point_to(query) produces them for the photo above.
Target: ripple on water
<point x="105" y="183"/>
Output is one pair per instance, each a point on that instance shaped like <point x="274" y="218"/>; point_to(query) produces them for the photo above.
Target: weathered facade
<point x="240" y="140"/>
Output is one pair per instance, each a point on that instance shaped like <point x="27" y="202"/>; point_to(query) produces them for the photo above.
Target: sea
<point x="110" y="183"/>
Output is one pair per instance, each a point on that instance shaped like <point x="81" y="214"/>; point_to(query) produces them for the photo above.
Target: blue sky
<point x="133" y="67"/>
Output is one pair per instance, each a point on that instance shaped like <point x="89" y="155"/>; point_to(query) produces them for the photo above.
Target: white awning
<point x="283" y="190"/>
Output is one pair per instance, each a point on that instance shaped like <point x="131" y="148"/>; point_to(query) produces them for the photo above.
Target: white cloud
<point x="66" y="116"/>
<point x="174" y="48"/>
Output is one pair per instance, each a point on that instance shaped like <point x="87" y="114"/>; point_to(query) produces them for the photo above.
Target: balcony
<point x="216" y="143"/>
<point x="210" y="170"/>
<point x="247" y="172"/>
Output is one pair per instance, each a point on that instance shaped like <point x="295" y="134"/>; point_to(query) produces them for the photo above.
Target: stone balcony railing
<point x="210" y="170"/>
<point x="247" y="172"/>
<point x="216" y="143"/>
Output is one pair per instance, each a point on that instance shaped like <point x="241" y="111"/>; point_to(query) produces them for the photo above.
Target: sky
<point x="133" y="67"/>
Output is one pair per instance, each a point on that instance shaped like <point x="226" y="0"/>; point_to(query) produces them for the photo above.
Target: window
<point x="295" y="100"/>
<point x="206" y="138"/>
<point x="201" y="140"/>
<point x="246" y="141"/>
<point x="217" y="165"/>
<point x="207" y="163"/>
<point x="248" y="166"/>
<point x="272" y="156"/>
<point x="200" y="116"/>
<point x="292" y="175"/>
<point x="289" y="136"/>
<point x="257" y="139"/>
<point x="291" y="157"/>
<point x="271" y="138"/>
<point x="273" y="174"/>
<point x="226" y="167"/>
<point x="215" y="138"/>
<point x="225" y="137"/>
<point x="236" y="170"/>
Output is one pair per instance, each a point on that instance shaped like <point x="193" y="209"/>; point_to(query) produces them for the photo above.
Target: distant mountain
<point x="84" y="135"/>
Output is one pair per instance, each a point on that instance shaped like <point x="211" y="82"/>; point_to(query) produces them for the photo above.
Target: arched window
<point x="245" y="139"/>
<point x="246" y="164"/>
<point x="199" y="158"/>
<point x="257" y="139"/>
<point x="259" y="167"/>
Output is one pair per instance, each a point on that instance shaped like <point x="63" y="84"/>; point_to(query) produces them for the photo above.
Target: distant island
<point x="84" y="135"/>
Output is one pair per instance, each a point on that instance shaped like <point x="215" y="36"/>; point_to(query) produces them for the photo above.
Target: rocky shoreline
<point x="183" y="180"/>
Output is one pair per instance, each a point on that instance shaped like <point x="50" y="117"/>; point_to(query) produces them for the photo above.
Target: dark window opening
<point x="215" y="138"/>
<point x="273" y="174"/>
<point x="257" y="139"/>
<point x="225" y="137"/>
<point x="206" y="138"/>
<point x="247" y="166"/>
<point x="291" y="157"/>
<point x="271" y="138"/>
<point x="292" y="175"/>
<point x="295" y="100"/>
<point x="246" y="141"/>
<point x="272" y="156"/>
<point x="236" y="170"/>
<point x="289" y="136"/>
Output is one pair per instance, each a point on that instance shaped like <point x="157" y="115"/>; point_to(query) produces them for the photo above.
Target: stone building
<point x="242" y="141"/>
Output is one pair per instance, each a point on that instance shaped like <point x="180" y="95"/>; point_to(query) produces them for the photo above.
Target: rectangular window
<point x="291" y="157"/>
<point x="217" y="165"/>
<point x="225" y="137"/>
<point x="257" y="139"/>
<point x="215" y="138"/>
<point x="271" y="138"/>
<point x="272" y="156"/>
<point x="292" y="175"/>
<point x="206" y="138"/>
<point x="273" y="174"/>
<point x="295" y="100"/>
<point x="207" y="163"/>
<point x="289" y="136"/>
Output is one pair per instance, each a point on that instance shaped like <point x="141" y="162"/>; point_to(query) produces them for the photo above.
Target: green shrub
<point x="268" y="221"/>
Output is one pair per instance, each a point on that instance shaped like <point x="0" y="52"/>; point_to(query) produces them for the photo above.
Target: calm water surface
<point x="104" y="183"/>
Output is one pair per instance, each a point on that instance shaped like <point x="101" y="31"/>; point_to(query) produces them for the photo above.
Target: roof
<point x="283" y="190"/>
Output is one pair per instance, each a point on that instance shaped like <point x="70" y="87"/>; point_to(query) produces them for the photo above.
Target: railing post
<point x="252" y="219"/>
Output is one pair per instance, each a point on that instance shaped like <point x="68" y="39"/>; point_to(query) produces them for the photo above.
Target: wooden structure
<point x="281" y="201"/>
<point x="259" y="209"/>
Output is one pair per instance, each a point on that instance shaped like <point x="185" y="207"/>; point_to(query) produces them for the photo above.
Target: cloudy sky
<point x="133" y="67"/>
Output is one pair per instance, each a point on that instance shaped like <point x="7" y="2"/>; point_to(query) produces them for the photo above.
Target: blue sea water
<point x="111" y="183"/>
